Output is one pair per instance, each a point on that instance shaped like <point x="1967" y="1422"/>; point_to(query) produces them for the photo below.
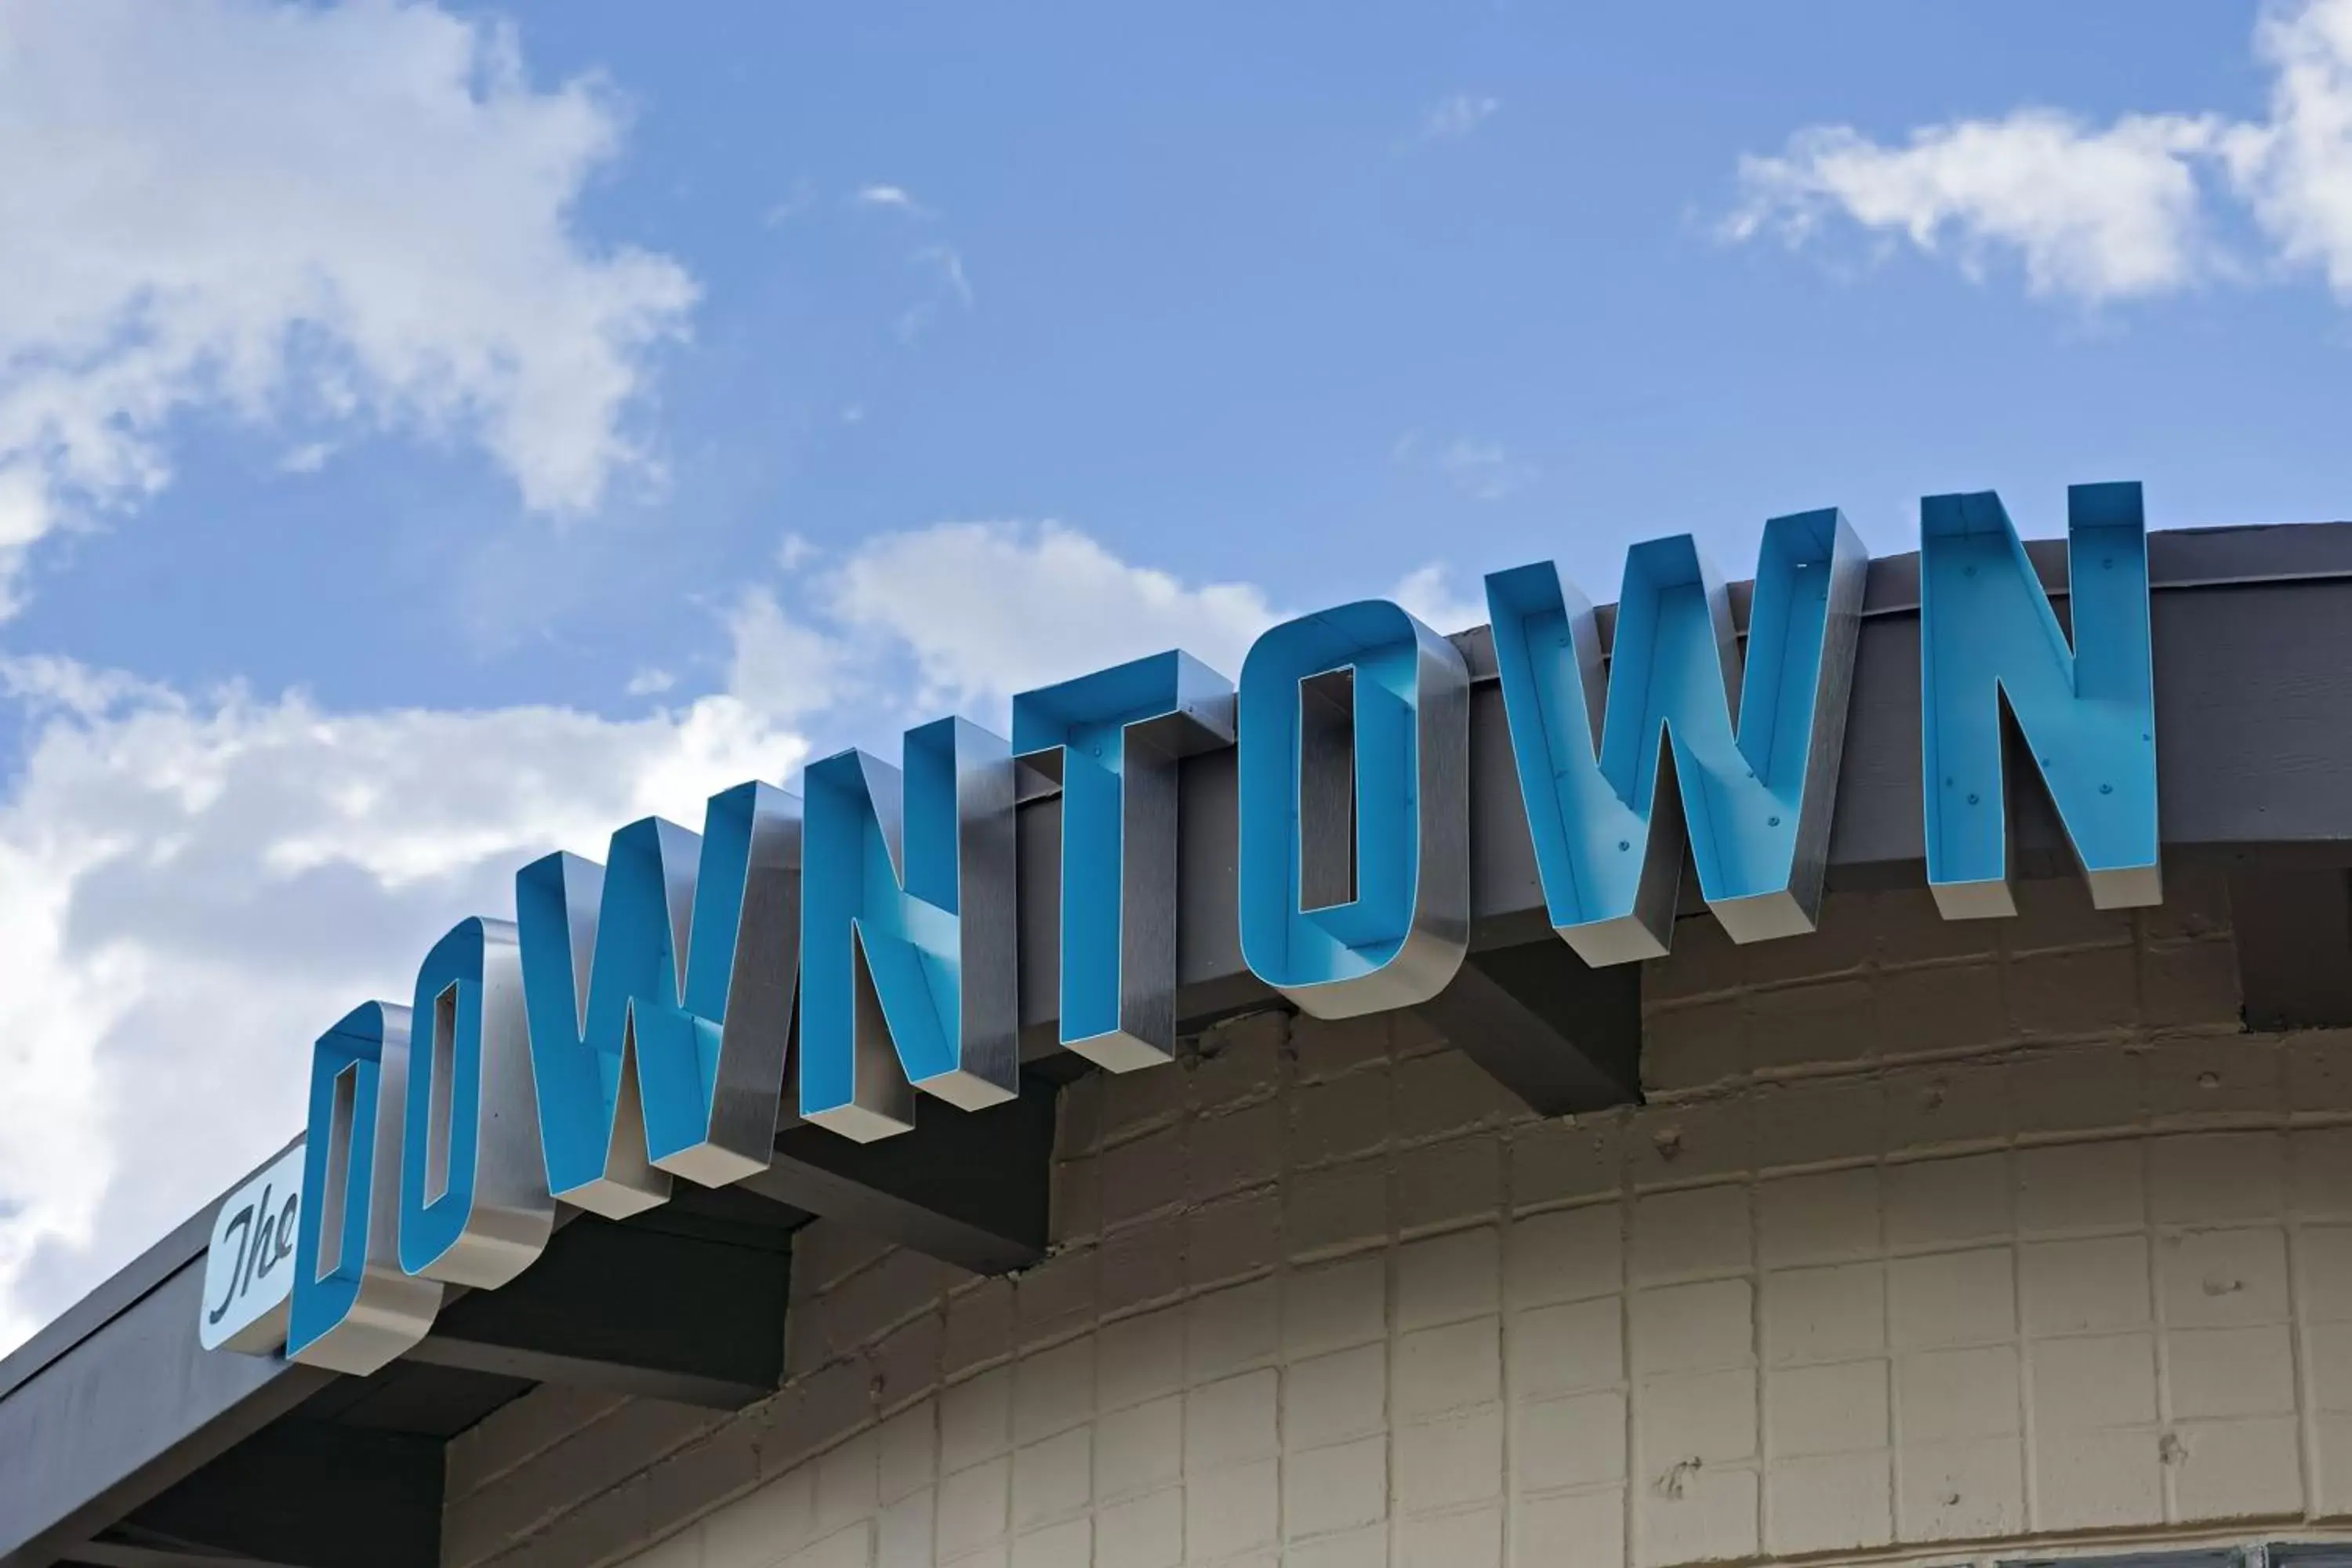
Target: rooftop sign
<point x="633" y="1024"/>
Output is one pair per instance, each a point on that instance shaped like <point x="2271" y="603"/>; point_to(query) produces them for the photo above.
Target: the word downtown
<point x="633" y="1024"/>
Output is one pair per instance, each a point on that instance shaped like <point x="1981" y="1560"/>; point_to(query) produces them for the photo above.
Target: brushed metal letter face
<point x="1114" y="741"/>
<point x="1986" y="632"/>
<point x="475" y="1208"/>
<point x="908" y="929"/>
<point x="355" y="1309"/>
<point x="1753" y="753"/>
<point x="1354" y="729"/>
<point x="659" y="992"/>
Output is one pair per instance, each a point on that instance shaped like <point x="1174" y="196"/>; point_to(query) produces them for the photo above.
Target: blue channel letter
<point x="354" y="1309"/>
<point x="474" y="1204"/>
<point x="666" y="1055"/>
<point x="1354" y="806"/>
<point x="907" y="977"/>
<point x="1986" y="632"/>
<point x="1753" y="752"/>
<point x="1113" y="741"/>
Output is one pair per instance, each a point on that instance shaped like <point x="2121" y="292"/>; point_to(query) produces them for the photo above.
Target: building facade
<point x="1934" y="1242"/>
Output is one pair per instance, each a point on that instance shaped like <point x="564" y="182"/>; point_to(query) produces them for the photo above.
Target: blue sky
<point x="428" y="434"/>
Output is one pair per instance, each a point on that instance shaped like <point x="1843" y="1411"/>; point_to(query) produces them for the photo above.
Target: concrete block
<point x="973" y="1506"/>
<point x="2066" y="1188"/>
<point x="1840" y="1407"/>
<point x="2095" y="1285"/>
<point x="1143" y="1533"/>
<point x="1452" y="1461"/>
<point x="1472" y="1539"/>
<point x="2206" y="1178"/>
<point x="1824" y="1314"/>
<point x="1827" y="1217"/>
<point x="1054" y="1390"/>
<point x="1708" y="1417"/>
<point x="1965" y="1490"/>
<point x="1052" y="1478"/>
<point x="1235" y="1238"/>
<point x="1141" y="1448"/>
<point x="1070" y="1544"/>
<point x="903" y="1533"/>
<point x="1143" y="1265"/>
<point x="1948" y="1202"/>
<point x="1578" y="1441"/>
<point x="1341" y="1488"/>
<point x="1703" y="1515"/>
<point x="1953" y="1297"/>
<point x="1341" y="1208"/>
<point x="1448" y="1277"/>
<point x="1583" y="1530"/>
<point x="2220" y="1278"/>
<point x="2074" y="993"/>
<point x="850" y="1547"/>
<point x="1335" y="1397"/>
<point x="1241" y="1512"/>
<point x="1694" y="1328"/>
<point x="1230" y="1422"/>
<point x="980" y="1327"/>
<point x="1834" y="1502"/>
<point x="1449" y="1184"/>
<point x="1365" y="1547"/>
<point x="849" y="1483"/>
<point x="1947" y="1105"/>
<point x="1447" y="1368"/>
<point x="907" y="1451"/>
<point x="2321" y="1159"/>
<point x="1339" y="1118"/>
<point x="1242" y="1148"/>
<point x="1144" y="1176"/>
<point x="1445" y="1093"/>
<point x="1567" y="1161"/>
<point x="1334" y="1305"/>
<point x="2093" y="1381"/>
<point x="1229" y="1330"/>
<point x="976" y="1420"/>
<point x="1566" y="1348"/>
<point x="1799" y="1025"/>
<point x="1955" y="1395"/>
<point x="2091" y="1477"/>
<point x="1566" y="1254"/>
<point x="1948" y="1007"/>
<point x="2214" y="1374"/>
<point x="2238" y="1470"/>
<point x="2079" y="1089"/>
<point x="1691" y="1234"/>
<point x="1819" y="1121"/>
<point x="1138" y="1358"/>
<point x="1682" y="1145"/>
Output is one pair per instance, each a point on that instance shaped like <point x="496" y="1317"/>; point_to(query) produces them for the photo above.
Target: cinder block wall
<point x="1933" y="1241"/>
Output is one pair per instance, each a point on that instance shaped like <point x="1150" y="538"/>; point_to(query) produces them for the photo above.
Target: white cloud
<point x="888" y="198"/>
<point x="362" y="213"/>
<point x="1453" y="118"/>
<point x="650" y="681"/>
<point x="990" y="609"/>
<point x="2296" y="170"/>
<point x="2097" y="213"/>
<point x="1483" y="471"/>
<point x="1428" y="594"/>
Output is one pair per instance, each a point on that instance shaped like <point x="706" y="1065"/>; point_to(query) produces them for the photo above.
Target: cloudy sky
<point x="430" y="435"/>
